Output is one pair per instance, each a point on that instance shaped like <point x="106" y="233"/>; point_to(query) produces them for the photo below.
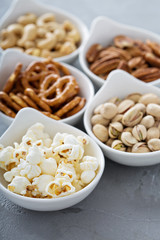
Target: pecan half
<point x="92" y="53"/>
<point x="123" y="65"/>
<point x="154" y="46"/>
<point x="152" y="59"/>
<point x="123" y="42"/>
<point x="106" y="66"/>
<point x="135" y="62"/>
<point x="147" y="74"/>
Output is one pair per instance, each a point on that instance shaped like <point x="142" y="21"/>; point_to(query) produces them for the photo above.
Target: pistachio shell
<point x="98" y="119"/>
<point x="117" y="118"/>
<point x="115" y="100"/>
<point x="149" y="98"/>
<point x="132" y="117"/>
<point x="128" y="129"/>
<point x="97" y="109"/>
<point x="128" y="139"/>
<point x="134" y="97"/>
<point x="148" y="121"/>
<point x="154" y="110"/>
<point x="140" y="147"/>
<point x="154" y="144"/>
<point x="115" y="129"/>
<point x="118" y="145"/>
<point x="125" y="105"/>
<point x="139" y="132"/>
<point x="100" y="132"/>
<point x="141" y="107"/>
<point x="108" y="110"/>
<point x="153" y="132"/>
<point x="109" y="142"/>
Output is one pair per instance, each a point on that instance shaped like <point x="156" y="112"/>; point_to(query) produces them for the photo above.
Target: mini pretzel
<point x="65" y="88"/>
<point x="28" y="101"/>
<point x="51" y="115"/>
<point x="12" y="79"/>
<point x="18" y="100"/>
<point x="30" y="93"/>
<point x="61" y="69"/>
<point x="5" y="98"/>
<point x="7" y="110"/>
<point x="77" y="108"/>
<point x="69" y="106"/>
<point x="50" y="79"/>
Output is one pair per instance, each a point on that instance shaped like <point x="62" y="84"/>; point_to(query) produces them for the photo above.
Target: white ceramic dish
<point x="8" y="62"/>
<point x="24" y="119"/>
<point x="20" y="7"/>
<point x="103" y="30"/>
<point x="120" y="84"/>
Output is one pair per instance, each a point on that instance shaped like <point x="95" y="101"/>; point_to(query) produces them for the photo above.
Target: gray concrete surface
<point x="126" y="203"/>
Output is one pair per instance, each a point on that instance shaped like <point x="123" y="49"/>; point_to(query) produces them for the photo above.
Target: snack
<point x="46" y="86"/>
<point x="131" y="124"/>
<point x="140" y="59"/>
<point x="41" y="36"/>
<point x="41" y="167"/>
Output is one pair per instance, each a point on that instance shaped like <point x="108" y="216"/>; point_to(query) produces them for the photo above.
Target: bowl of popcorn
<point x="47" y="165"/>
<point x="59" y="91"/>
<point x="112" y="45"/>
<point x="42" y="30"/>
<point x="124" y="120"/>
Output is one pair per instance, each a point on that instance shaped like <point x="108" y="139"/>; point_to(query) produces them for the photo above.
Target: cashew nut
<point x="48" y="43"/>
<point x="9" y="39"/>
<point x="16" y="28"/>
<point x="27" y="19"/>
<point x="30" y="32"/>
<point x="45" y="18"/>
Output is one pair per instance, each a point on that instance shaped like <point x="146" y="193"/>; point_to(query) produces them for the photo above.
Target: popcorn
<point x="19" y="185"/>
<point x="42" y="167"/>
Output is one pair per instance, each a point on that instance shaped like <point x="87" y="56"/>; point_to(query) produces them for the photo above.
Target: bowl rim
<point x="88" y="128"/>
<point x="81" y="25"/>
<point x="91" y="185"/>
<point x="70" y="67"/>
<point x="113" y="23"/>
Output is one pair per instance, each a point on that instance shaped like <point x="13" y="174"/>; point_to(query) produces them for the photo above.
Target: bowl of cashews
<point x="59" y="91"/>
<point x="42" y="31"/>
<point x="55" y="165"/>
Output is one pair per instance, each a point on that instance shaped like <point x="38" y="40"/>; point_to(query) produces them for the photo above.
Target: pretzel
<point x="61" y="69"/>
<point x="18" y="100"/>
<point x="28" y="101"/>
<point x="12" y="78"/>
<point x="51" y="115"/>
<point x="7" y="110"/>
<point x="69" y="106"/>
<point x="5" y="98"/>
<point x="30" y="93"/>
<point x="64" y="88"/>
<point x="77" y="108"/>
<point x="50" y="79"/>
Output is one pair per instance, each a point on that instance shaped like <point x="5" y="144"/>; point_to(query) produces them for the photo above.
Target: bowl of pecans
<point x="57" y="90"/>
<point x="42" y="30"/>
<point x="112" y="45"/>
<point x="124" y="120"/>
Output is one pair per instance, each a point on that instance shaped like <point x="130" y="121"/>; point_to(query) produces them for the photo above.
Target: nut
<point x="134" y="97"/>
<point x="153" y="132"/>
<point x="132" y="117"/>
<point x="115" y="129"/>
<point x="148" y="121"/>
<point x="128" y="139"/>
<point x="149" y="98"/>
<point x="97" y="109"/>
<point x="140" y="147"/>
<point x="100" y="132"/>
<point x="93" y="52"/>
<point x="98" y="119"/>
<point x="115" y="100"/>
<point x="108" y="110"/>
<point x="153" y="109"/>
<point x="128" y="129"/>
<point x="141" y="107"/>
<point x="123" y="42"/>
<point x="139" y="132"/>
<point x="125" y="105"/>
<point x="118" y="145"/>
<point x="117" y="118"/>
<point x="109" y="142"/>
<point x="154" y="144"/>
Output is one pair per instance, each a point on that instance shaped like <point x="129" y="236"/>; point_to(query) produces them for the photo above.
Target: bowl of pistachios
<point x="124" y="119"/>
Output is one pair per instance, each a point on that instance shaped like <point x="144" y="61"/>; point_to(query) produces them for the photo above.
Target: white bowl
<point x="103" y="30"/>
<point x="8" y="62"/>
<point x="120" y="84"/>
<point x="26" y="118"/>
<point x="20" y="7"/>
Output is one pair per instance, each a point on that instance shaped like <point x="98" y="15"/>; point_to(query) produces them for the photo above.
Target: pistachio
<point x="154" y="110"/>
<point x="98" y="119"/>
<point x="134" y="97"/>
<point x="154" y="144"/>
<point x="108" y="110"/>
<point x="152" y="132"/>
<point x="100" y="132"/>
<point x="132" y="117"/>
<point x="115" y="129"/>
<point x="149" y="98"/>
<point x="139" y="132"/>
<point x="125" y="105"/>
<point x="109" y="142"/>
<point x="141" y="107"/>
<point x="148" y="121"/>
<point x="97" y="109"/>
<point x="118" y="145"/>
<point x="117" y="118"/>
<point x="128" y="129"/>
<point x="128" y="139"/>
<point x="115" y="100"/>
<point x="140" y="147"/>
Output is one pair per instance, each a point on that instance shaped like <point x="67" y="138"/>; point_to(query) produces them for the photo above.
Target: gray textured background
<point x="126" y="203"/>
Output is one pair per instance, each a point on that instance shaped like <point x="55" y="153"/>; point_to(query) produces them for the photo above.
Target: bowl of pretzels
<point x="57" y="90"/>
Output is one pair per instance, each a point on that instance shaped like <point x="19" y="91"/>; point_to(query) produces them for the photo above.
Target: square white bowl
<point x="21" y="7"/>
<point x="10" y="58"/>
<point x="25" y="119"/>
<point x="120" y="84"/>
<point x="103" y="30"/>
